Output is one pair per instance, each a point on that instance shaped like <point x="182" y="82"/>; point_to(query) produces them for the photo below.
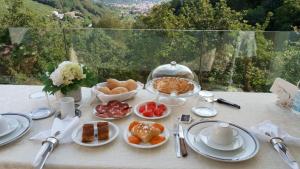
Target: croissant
<point x="145" y="131"/>
<point x="173" y="84"/>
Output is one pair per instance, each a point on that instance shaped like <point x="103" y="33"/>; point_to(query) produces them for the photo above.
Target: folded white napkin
<point x="65" y="126"/>
<point x="267" y="126"/>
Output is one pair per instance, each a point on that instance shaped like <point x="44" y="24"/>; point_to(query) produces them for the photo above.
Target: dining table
<point x="255" y="108"/>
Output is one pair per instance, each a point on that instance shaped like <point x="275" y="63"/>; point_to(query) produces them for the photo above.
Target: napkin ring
<point x="276" y="140"/>
<point x="51" y="140"/>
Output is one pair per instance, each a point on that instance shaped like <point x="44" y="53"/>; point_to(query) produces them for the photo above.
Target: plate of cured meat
<point x="112" y="110"/>
<point x="146" y="134"/>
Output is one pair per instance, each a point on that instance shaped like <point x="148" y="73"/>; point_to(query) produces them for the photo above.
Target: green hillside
<point x="35" y="7"/>
<point x="38" y="8"/>
<point x="87" y="7"/>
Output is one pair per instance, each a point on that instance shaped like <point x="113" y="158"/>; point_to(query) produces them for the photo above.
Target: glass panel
<point x="223" y="60"/>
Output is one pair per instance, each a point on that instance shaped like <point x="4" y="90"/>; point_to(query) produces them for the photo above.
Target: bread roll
<point x="112" y="83"/>
<point x="119" y="90"/>
<point x="105" y="90"/>
<point x="130" y="84"/>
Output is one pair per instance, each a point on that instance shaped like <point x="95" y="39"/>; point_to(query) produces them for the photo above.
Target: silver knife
<point x="182" y="142"/>
<point x="177" y="144"/>
<point x="283" y="151"/>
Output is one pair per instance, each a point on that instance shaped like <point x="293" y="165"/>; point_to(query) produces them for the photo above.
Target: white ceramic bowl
<point x="120" y="97"/>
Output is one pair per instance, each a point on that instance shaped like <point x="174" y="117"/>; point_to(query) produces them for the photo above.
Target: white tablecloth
<point x="256" y="107"/>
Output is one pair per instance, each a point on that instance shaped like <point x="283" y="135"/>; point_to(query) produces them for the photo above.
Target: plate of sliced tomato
<point x="152" y="110"/>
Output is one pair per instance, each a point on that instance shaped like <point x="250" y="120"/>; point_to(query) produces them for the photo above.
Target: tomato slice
<point x="158" y="112"/>
<point x="151" y="105"/>
<point x="162" y="107"/>
<point x="148" y="113"/>
<point x="142" y="109"/>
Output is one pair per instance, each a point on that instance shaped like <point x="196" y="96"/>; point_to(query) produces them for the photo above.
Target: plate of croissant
<point x="146" y="134"/>
<point x="114" y="89"/>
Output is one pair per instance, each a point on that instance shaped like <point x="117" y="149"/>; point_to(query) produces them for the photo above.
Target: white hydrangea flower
<point x="67" y="72"/>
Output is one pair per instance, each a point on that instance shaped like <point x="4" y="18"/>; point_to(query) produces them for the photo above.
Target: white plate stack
<point x="13" y="126"/>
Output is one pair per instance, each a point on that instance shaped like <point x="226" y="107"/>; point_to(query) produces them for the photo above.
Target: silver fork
<point x="177" y="143"/>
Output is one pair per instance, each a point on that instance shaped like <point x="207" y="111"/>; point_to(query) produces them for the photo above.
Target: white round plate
<point x="24" y="126"/>
<point x="111" y="118"/>
<point x="249" y="149"/>
<point x="113" y="133"/>
<point x="204" y="111"/>
<point x="142" y="145"/>
<point x="12" y="126"/>
<point x="136" y="111"/>
<point x="204" y="137"/>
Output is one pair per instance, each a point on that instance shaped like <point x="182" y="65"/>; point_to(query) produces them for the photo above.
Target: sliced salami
<point x="113" y="109"/>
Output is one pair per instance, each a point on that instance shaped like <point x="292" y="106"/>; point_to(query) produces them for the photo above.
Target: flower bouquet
<point x="67" y="79"/>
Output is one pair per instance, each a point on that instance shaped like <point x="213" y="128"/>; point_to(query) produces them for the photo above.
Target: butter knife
<point x="177" y="144"/>
<point x="182" y="141"/>
<point x="283" y="151"/>
<point x="223" y="101"/>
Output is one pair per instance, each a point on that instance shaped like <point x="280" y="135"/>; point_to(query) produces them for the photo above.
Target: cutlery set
<point x="180" y="145"/>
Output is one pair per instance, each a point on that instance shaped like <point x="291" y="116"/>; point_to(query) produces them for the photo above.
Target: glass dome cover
<point x="173" y="80"/>
<point x="173" y="70"/>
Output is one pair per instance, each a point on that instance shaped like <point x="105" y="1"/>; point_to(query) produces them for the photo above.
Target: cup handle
<point x="235" y="132"/>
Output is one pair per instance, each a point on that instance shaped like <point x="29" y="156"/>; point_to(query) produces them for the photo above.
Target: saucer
<point x="204" y="137"/>
<point x="12" y="126"/>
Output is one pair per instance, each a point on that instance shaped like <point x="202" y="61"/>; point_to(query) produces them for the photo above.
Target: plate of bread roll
<point x="146" y="134"/>
<point x="114" y="89"/>
<point x="95" y="133"/>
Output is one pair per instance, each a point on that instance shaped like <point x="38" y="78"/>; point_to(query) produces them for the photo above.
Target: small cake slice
<point x="103" y="130"/>
<point x="87" y="133"/>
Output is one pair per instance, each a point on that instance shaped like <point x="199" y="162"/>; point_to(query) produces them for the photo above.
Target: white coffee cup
<point x="67" y="107"/>
<point x="3" y="124"/>
<point x="223" y="134"/>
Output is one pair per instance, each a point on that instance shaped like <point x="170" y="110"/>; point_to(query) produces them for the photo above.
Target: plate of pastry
<point x="112" y="110"/>
<point x="152" y="110"/>
<point x="114" y="89"/>
<point x="95" y="133"/>
<point x="146" y="134"/>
